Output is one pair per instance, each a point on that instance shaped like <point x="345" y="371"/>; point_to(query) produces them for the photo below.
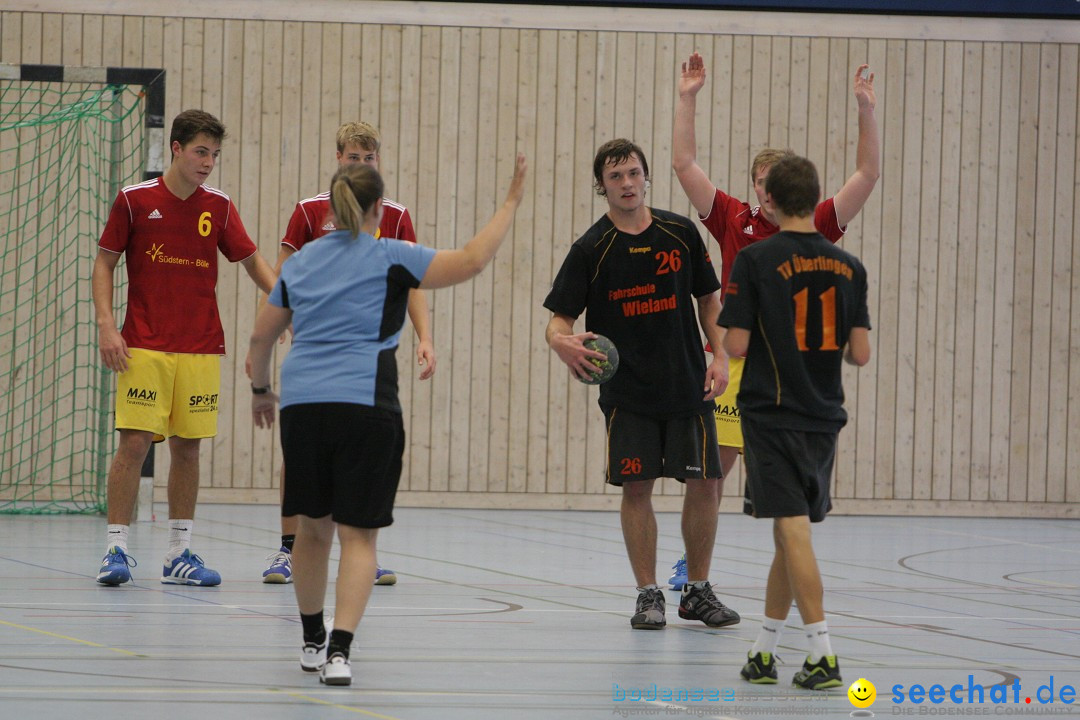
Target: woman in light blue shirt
<point x="341" y="428"/>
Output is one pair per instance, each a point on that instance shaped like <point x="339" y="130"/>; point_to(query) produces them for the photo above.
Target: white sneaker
<point x="313" y="657"/>
<point x="336" y="671"/>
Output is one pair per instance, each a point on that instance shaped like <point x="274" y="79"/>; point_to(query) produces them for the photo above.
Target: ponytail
<point x="353" y="192"/>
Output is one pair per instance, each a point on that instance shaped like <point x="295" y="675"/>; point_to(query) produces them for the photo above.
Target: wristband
<point x="260" y="390"/>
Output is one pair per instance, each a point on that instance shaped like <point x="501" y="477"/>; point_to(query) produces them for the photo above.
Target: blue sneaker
<point x="188" y="569"/>
<point x="114" y="567"/>
<point x="678" y="574"/>
<point x="280" y="570"/>
<point x="384" y="576"/>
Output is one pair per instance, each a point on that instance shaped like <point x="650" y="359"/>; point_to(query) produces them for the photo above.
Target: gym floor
<point x="525" y="614"/>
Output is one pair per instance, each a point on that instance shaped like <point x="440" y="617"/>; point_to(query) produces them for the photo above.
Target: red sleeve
<point x="826" y="222"/>
<point x="234" y="242"/>
<point x="118" y="227"/>
<point x="405" y="227"/>
<point x="299" y="230"/>
<point x="716" y="222"/>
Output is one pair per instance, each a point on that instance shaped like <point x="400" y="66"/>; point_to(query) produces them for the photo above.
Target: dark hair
<point x="614" y="152"/>
<point x="190" y="123"/>
<point x="353" y="191"/>
<point x="793" y="184"/>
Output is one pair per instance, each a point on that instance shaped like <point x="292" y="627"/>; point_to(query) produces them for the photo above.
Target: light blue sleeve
<point x="413" y="257"/>
<point x="276" y="295"/>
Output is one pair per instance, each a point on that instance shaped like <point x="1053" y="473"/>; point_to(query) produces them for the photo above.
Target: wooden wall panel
<point x="970" y="238"/>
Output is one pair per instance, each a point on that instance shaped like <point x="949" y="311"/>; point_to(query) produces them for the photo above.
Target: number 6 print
<point x="204" y="224"/>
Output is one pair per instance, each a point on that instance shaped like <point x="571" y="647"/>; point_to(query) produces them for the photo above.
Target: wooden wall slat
<point x="983" y="449"/>
<point x="541" y="192"/>
<point x="1003" y="295"/>
<point x="948" y="281"/>
<point x="1023" y="264"/>
<point x="458" y="375"/>
<point x="445" y="315"/>
<point x="1062" y="483"/>
<point x="483" y="359"/>
<point x="1045" y="75"/>
<point x="970" y="239"/>
<point x="964" y="223"/>
<point x="863" y="431"/>
<point x="1059" y="431"/>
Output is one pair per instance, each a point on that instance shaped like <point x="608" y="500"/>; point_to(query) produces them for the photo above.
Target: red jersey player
<point x="170" y="230"/>
<point x="735" y="224"/>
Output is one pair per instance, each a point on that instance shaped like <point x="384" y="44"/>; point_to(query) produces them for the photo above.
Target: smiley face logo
<point x="862" y="693"/>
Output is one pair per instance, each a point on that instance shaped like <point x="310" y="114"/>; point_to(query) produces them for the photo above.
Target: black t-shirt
<point x="799" y="296"/>
<point x="638" y="290"/>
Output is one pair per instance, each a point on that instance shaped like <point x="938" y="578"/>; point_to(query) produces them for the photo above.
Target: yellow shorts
<point x="169" y="394"/>
<point x="728" y="426"/>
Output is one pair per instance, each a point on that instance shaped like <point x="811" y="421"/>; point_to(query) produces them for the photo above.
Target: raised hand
<point x="864" y="88"/>
<point x="517" y="185"/>
<point x="693" y="75"/>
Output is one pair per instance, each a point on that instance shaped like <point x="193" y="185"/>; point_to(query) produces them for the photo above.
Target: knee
<point x="637" y="492"/>
<point x="707" y="487"/>
<point x="319" y="531"/>
<point x="135" y="444"/>
<point x="184" y="449"/>
<point x="789" y="530"/>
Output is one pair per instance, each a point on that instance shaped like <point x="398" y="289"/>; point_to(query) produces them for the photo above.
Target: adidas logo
<point x="156" y="215"/>
<point x="329" y="227"/>
<point x="749" y="229"/>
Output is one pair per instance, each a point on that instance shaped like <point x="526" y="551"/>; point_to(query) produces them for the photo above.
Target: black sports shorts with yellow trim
<point x="788" y="472"/>
<point x="343" y="460"/>
<point x="640" y="447"/>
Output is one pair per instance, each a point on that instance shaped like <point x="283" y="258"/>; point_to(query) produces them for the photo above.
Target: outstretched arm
<point x="695" y="183"/>
<point x="853" y="195"/>
<point x="450" y="267"/>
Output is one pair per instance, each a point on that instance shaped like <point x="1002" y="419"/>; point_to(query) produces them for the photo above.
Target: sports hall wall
<point x="971" y="404"/>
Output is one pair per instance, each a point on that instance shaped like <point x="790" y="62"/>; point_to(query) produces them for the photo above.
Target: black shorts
<point x="787" y="471"/>
<point x="640" y="447"/>
<point x="341" y="459"/>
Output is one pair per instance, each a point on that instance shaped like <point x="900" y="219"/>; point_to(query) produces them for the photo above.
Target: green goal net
<point x="65" y="150"/>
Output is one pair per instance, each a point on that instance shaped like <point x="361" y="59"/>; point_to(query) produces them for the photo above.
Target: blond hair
<point x="358" y="133"/>
<point x="767" y="158"/>
<point x="353" y="191"/>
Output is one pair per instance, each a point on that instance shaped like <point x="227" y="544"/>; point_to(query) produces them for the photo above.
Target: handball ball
<point x="605" y="369"/>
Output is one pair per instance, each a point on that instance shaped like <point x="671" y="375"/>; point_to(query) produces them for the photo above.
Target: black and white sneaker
<point x="336" y="671"/>
<point x="701" y="604"/>
<point x="651" y="610"/>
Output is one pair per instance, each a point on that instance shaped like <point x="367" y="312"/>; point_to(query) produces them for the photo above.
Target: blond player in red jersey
<point x="170" y="231"/>
<point x="357" y="142"/>
<point x="736" y="224"/>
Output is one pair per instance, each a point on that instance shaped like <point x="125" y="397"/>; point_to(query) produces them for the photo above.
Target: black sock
<point x="287" y="541"/>
<point x="340" y="640"/>
<point x="314" y="630"/>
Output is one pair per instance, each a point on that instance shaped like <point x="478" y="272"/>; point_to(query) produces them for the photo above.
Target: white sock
<point x="817" y="634"/>
<point x="179" y="538"/>
<point x="769" y="636"/>
<point x="116" y="536"/>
